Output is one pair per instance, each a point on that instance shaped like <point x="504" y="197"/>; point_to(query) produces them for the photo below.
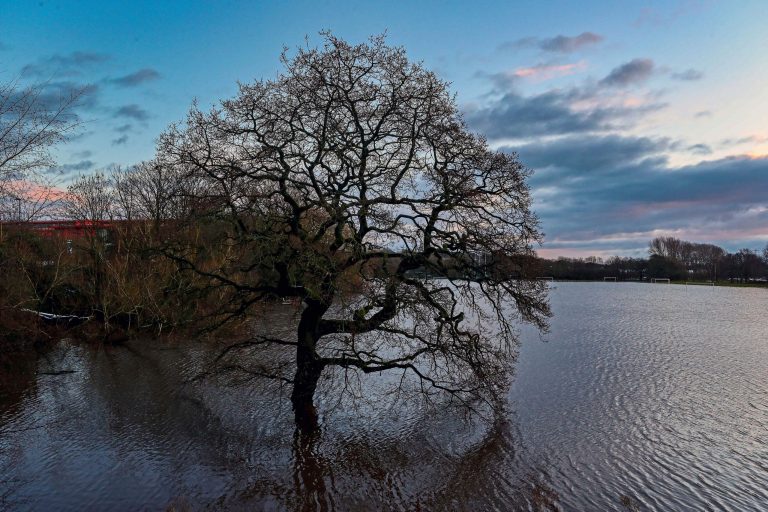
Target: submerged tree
<point x="351" y="183"/>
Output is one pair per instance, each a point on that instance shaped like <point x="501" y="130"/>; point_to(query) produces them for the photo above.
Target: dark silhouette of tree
<point x="694" y="260"/>
<point x="744" y="265"/>
<point x="665" y="268"/>
<point x="90" y="199"/>
<point x="149" y="192"/>
<point x="342" y="183"/>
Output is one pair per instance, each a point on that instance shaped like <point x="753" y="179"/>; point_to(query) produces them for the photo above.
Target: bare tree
<point x="90" y="198"/>
<point x="154" y="190"/>
<point x="28" y="199"/>
<point x="342" y="183"/>
<point x="31" y="123"/>
<point x="124" y="192"/>
<point x="667" y="247"/>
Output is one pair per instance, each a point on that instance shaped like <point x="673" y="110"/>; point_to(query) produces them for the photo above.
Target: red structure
<point x="70" y="229"/>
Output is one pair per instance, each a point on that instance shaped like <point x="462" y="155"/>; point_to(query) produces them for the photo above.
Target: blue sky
<point x="639" y="118"/>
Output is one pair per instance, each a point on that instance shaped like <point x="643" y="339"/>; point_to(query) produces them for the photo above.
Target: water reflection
<point x="639" y="400"/>
<point x="129" y="429"/>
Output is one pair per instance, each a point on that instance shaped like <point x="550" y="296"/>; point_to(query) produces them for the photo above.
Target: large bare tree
<point x="351" y="183"/>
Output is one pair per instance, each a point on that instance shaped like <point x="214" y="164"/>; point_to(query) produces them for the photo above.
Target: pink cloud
<point x="543" y="72"/>
<point x="34" y="192"/>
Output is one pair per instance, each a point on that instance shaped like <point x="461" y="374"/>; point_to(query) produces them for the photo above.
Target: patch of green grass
<point x="723" y="283"/>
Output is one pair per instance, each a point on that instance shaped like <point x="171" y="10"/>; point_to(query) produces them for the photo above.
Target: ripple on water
<point x="648" y="396"/>
<point x="660" y="383"/>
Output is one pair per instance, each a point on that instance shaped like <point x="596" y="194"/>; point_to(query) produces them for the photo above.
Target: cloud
<point x="83" y="154"/>
<point x="554" y="112"/>
<point x="88" y="95"/>
<point x="132" y="111"/>
<point x="137" y="78"/>
<point x="588" y="154"/>
<point x="504" y="81"/>
<point x="68" y="65"/>
<point x="565" y="44"/>
<point x="689" y="75"/>
<point x="124" y="128"/>
<point x="80" y="166"/>
<point x="700" y="149"/>
<point x="557" y="44"/>
<point x="670" y="13"/>
<point x="547" y="71"/>
<point x="634" y="71"/>
<point x="749" y="139"/>
<point x="120" y="140"/>
<point x="703" y="113"/>
<point x="51" y="96"/>
<point x="614" y="193"/>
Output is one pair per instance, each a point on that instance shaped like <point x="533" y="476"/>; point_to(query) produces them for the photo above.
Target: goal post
<point x="660" y="280"/>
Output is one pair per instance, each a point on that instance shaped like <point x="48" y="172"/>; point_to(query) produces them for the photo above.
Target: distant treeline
<point x="668" y="257"/>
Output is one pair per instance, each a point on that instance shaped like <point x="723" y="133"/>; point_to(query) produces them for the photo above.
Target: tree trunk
<point x="308" y="368"/>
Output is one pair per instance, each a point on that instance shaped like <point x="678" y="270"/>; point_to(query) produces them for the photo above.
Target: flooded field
<point x="642" y="397"/>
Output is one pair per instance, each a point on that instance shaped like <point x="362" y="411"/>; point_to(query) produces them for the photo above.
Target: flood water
<point x="642" y="397"/>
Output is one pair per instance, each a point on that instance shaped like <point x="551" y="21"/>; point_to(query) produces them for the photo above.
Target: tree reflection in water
<point x="310" y="471"/>
<point x="129" y="430"/>
<point x="414" y="474"/>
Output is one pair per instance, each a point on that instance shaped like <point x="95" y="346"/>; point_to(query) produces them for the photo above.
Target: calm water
<point x="642" y="397"/>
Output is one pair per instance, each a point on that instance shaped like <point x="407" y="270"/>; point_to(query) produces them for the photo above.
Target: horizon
<point x="637" y="122"/>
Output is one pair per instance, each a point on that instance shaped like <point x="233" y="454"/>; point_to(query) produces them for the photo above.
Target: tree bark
<point x="308" y="368"/>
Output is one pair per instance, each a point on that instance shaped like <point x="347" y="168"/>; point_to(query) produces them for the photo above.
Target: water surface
<point x="642" y="397"/>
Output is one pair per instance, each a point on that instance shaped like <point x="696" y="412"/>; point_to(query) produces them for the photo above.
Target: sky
<point x="639" y="119"/>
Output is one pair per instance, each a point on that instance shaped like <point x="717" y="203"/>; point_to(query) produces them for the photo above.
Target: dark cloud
<point x="589" y="154"/>
<point x="83" y="154"/>
<point x="749" y="139"/>
<point x="120" y="140"/>
<point x="124" y="128"/>
<point x="52" y="96"/>
<point x="614" y="193"/>
<point x="132" y="111"/>
<point x="634" y="71"/>
<point x="80" y="135"/>
<point x="80" y="166"/>
<point x="567" y="44"/>
<point x="700" y="149"/>
<point x="703" y="113"/>
<point x="139" y="77"/>
<point x="689" y="75"/>
<point x="87" y="95"/>
<point x="500" y="82"/>
<point x="550" y="113"/>
<point x="63" y="65"/>
<point x="557" y="44"/>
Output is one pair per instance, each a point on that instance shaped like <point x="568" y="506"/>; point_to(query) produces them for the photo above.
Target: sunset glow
<point x="633" y="118"/>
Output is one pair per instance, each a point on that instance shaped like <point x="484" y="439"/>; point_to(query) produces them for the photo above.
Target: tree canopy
<point x="351" y="183"/>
